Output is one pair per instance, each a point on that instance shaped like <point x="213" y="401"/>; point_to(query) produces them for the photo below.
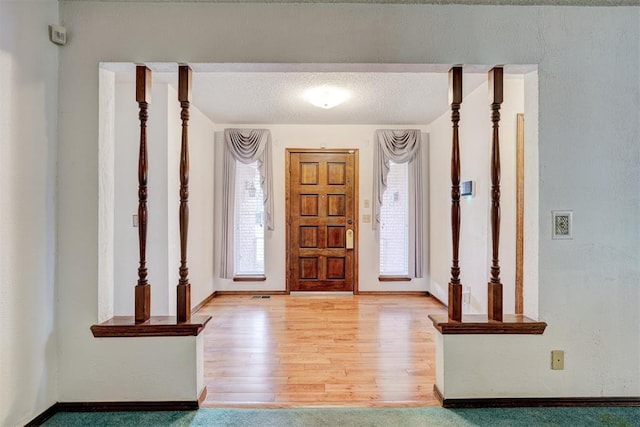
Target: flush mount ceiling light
<point x="326" y="96"/>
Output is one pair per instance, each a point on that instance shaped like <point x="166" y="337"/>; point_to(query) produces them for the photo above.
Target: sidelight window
<point x="394" y="222"/>
<point x="249" y="221"/>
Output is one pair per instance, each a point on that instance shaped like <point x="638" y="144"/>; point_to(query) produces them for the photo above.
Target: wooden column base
<point x="494" y="309"/>
<point x="455" y="302"/>
<point x="183" y="312"/>
<point x="143" y="303"/>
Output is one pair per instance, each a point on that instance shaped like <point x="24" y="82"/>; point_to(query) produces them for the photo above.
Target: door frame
<point x="519" y="308"/>
<point x="356" y="202"/>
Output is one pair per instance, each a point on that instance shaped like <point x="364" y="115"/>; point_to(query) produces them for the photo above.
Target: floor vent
<point x="261" y="297"/>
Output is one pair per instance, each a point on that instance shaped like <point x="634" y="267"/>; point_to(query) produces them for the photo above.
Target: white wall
<point x="201" y="216"/>
<point x="28" y="128"/>
<point x="171" y="189"/>
<point x="106" y="194"/>
<point x="475" y="231"/>
<point x="119" y="377"/>
<point x="315" y="136"/>
<point x="145" y="377"/>
<point x="531" y="197"/>
<point x="163" y="238"/>
<point x="588" y="153"/>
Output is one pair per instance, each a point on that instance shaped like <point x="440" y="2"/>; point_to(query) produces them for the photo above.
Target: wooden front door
<point x="322" y="220"/>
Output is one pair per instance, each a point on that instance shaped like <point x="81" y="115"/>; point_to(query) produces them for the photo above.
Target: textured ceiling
<point x="376" y="98"/>
<point x="392" y="94"/>
<point x="469" y="2"/>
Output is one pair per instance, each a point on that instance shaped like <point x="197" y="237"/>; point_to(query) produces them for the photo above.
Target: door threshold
<point x="320" y="293"/>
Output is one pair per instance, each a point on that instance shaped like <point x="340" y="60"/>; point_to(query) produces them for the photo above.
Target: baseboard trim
<point x="532" y="402"/>
<point x="439" y="301"/>
<point x="391" y="293"/>
<point x="179" y="405"/>
<point x="203" y="302"/>
<point x="44" y="416"/>
<point x="321" y="293"/>
<point x="438" y="395"/>
<point x="220" y="293"/>
<point x="203" y="396"/>
<point x="396" y="293"/>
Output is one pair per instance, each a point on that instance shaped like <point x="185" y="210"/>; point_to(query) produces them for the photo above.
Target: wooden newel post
<point x="143" y="288"/>
<point x="184" y="287"/>
<point x="494" y="310"/>
<point x="455" y="287"/>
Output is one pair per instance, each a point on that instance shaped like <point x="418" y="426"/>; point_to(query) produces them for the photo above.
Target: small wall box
<point x="58" y="34"/>
<point x="562" y="225"/>
<point x="466" y="189"/>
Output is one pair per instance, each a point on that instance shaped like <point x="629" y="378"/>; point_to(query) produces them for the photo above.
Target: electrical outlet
<point x="557" y="360"/>
<point x="466" y="295"/>
<point x="135" y="220"/>
<point x="366" y="203"/>
<point x="366" y="218"/>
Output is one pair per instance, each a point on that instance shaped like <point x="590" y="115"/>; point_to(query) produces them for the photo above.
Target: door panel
<point x="321" y="208"/>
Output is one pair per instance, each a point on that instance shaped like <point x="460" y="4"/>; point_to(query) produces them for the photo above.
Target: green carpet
<point x="431" y="416"/>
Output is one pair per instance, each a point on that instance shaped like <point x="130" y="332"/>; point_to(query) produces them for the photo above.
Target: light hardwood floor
<point x="291" y="351"/>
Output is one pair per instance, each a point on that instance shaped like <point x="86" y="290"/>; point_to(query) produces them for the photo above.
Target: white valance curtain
<point x="401" y="146"/>
<point x="245" y="146"/>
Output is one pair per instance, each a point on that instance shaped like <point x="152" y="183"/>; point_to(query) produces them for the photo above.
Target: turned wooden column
<point x="184" y="287"/>
<point x="494" y="310"/>
<point x="143" y="288"/>
<point x="455" y="287"/>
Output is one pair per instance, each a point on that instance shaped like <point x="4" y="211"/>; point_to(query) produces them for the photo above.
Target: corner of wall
<point x="29" y="319"/>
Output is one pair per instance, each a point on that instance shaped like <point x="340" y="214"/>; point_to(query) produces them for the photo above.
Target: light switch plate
<point x="467" y="189"/>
